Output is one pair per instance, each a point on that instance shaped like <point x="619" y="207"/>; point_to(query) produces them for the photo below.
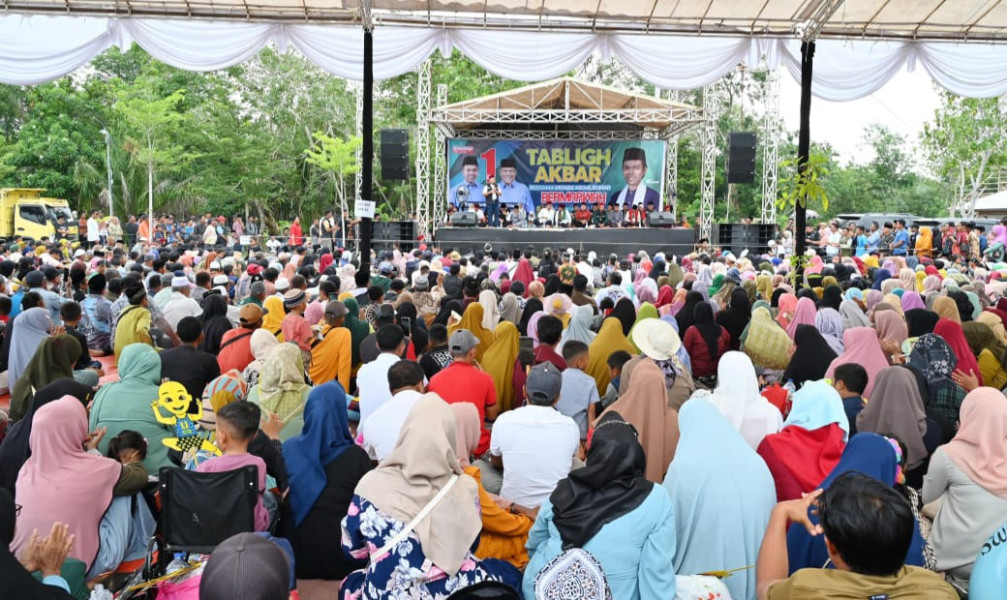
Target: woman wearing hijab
<point x="422" y="475"/>
<point x="832" y="297"/>
<point x="14" y="449"/>
<point x="969" y="476"/>
<point x="281" y="388"/>
<point x="705" y="341"/>
<point x="994" y="322"/>
<point x="853" y="315"/>
<point x="275" y="312"/>
<point x="491" y="312"/>
<point x="990" y="353"/>
<point x="610" y="510"/>
<point x="261" y="344"/>
<point x="861" y="347"/>
<point x="896" y="408"/>
<point x="955" y="337"/>
<point x="62" y="482"/>
<point x="810" y="356"/>
<point x="920" y="322"/>
<point x="829" y="323"/>
<point x="472" y="320"/>
<point x="646" y="311"/>
<point x="532" y="307"/>
<point x="324" y="466"/>
<point x="626" y="313"/>
<point x="912" y="300"/>
<point x="15" y="580"/>
<point x="933" y="362"/>
<point x="892" y="331"/>
<point x="32" y="328"/>
<point x="810" y="443"/>
<point x="737" y="398"/>
<point x="499" y="361"/>
<point x="686" y="314"/>
<point x="722" y="495"/>
<point x="966" y="309"/>
<point x="125" y="404"/>
<point x="215" y="322"/>
<point x="53" y="359"/>
<point x="868" y="454"/>
<point x="609" y="339"/>
<point x="510" y="309"/>
<point x="736" y="317"/>
<point x="504" y="530"/>
<point x="787" y="309"/>
<point x="804" y="314"/>
<point x="946" y="308"/>
<point x="579" y="328"/>
<point x="644" y="405"/>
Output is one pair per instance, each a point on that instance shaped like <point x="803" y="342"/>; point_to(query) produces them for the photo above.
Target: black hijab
<point x="775" y="302"/>
<point x="447" y="306"/>
<point x="812" y="357"/>
<point x="737" y="315"/>
<point x="553" y="285"/>
<point x="832" y="297"/>
<point x="807" y="293"/>
<point x="921" y="321"/>
<point x="626" y="313"/>
<point x="14" y="450"/>
<point x="686" y="315"/>
<point x="531" y="307"/>
<point x="965" y="307"/>
<point x="704" y="323"/>
<point x="215" y="322"/>
<point x="417" y="329"/>
<point x="611" y="485"/>
<point x="15" y="581"/>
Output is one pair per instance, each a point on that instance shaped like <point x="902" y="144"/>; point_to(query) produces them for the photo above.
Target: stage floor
<point x="677" y="241"/>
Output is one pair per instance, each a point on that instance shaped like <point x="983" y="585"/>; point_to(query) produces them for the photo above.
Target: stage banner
<point x="533" y="172"/>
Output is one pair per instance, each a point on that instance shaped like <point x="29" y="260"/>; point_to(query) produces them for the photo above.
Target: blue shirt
<point x="874" y="241"/>
<point x="900" y="249"/>
<point x="861" y="245"/>
<point x="517" y="193"/>
<point x="578" y="392"/>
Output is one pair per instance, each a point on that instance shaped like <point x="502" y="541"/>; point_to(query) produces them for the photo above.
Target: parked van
<point x="25" y="212"/>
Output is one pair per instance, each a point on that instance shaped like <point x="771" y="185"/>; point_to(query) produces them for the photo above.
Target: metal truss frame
<point x="709" y="163"/>
<point x="770" y="144"/>
<point x="671" y="166"/>
<point x="440" y="167"/>
<point x="423" y="148"/>
<point x="681" y="118"/>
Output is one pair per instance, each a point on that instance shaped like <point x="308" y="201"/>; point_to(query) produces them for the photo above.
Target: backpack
<point x="574" y="574"/>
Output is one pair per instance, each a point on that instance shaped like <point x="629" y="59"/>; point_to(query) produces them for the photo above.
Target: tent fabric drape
<point x="39" y="48"/>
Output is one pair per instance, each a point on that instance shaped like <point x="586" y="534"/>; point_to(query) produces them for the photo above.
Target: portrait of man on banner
<point x="636" y="193"/>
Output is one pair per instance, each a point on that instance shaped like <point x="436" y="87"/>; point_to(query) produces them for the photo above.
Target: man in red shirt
<point x="235" y="346"/>
<point x="462" y="381"/>
<point x="550" y="330"/>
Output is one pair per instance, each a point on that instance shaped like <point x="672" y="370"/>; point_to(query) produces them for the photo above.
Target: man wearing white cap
<point x="180" y="304"/>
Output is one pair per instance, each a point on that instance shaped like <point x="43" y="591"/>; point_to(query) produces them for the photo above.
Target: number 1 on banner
<point x="490" y="156"/>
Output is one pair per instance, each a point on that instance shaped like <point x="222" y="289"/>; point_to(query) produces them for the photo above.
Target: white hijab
<point x="491" y="312"/>
<point x="738" y="399"/>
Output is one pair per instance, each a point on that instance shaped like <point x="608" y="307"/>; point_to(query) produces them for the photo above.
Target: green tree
<point x="338" y="158"/>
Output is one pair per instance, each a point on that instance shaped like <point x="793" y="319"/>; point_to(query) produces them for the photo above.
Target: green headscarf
<point x="646" y="311"/>
<point x="52" y="360"/>
<point x="718" y="282"/>
<point x="358" y="329"/>
<point x="980" y="337"/>
<point x="281" y="384"/>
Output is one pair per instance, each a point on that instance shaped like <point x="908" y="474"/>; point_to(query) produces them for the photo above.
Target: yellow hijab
<point x="609" y="339"/>
<point x="498" y="361"/>
<point x="896" y="303"/>
<point x="473" y="321"/>
<point x="274" y="317"/>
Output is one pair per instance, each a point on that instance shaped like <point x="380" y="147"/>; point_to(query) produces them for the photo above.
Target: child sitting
<point x="128" y="447"/>
<point x="86" y="370"/>
<point x="579" y="394"/>
<point x="850" y="380"/>
<point x="615" y="362"/>
<point x="237" y="424"/>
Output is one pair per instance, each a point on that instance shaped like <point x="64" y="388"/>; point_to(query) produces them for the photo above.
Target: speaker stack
<point x="741" y="157"/>
<point x="395" y="154"/>
<point x="387" y="233"/>
<point x="660" y="219"/>
<point x="755" y="238"/>
<point x="465" y="218"/>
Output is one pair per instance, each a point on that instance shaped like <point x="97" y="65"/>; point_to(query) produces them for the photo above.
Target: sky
<point x="903" y="105"/>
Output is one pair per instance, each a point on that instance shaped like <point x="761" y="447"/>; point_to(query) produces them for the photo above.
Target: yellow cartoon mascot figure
<point x="175" y="400"/>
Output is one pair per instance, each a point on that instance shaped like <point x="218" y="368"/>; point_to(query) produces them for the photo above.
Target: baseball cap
<point x="251" y="313"/>
<point x="246" y="566"/>
<point x="336" y="309"/>
<point x="656" y="338"/>
<point x="34" y="279"/>
<point x="462" y="341"/>
<point x="51" y="273"/>
<point x="544" y="383"/>
<point x="257" y="288"/>
<point x="255" y="269"/>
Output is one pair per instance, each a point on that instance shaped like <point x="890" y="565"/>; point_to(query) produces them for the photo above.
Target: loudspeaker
<point x="464" y="219"/>
<point x="741" y="157"/>
<point x="385" y="234"/>
<point x="395" y="154"/>
<point x="660" y="219"/>
<point x="754" y="238"/>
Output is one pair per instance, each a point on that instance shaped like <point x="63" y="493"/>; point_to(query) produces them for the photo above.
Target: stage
<point x="604" y="241"/>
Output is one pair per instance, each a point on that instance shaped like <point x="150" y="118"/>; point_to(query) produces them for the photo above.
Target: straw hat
<point x="656" y="338"/>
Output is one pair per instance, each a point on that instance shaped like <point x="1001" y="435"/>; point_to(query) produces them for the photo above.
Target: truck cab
<point x="26" y="213"/>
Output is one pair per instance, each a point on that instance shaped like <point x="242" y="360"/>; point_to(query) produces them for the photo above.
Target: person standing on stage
<point x="469" y="191"/>
<point x="634" y="169"/>
<point x="491" y="194"/>
<point x="512" y="191"/>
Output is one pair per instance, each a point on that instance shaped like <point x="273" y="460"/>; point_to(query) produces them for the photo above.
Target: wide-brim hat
<point x="656" y="338"/>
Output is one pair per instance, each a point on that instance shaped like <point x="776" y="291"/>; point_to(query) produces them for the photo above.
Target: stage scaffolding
<point x="559" y="109"/>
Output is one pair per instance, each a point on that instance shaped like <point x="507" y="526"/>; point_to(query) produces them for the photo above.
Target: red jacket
<point x="699" y="351"/>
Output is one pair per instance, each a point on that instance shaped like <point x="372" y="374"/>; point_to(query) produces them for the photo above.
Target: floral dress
<point x="405" y="573"/>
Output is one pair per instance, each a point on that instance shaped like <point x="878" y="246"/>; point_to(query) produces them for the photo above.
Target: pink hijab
<point x="863" y="348"/>
<point x="804" y="314"/>
<point x="911" y="300"/>
<point x="890" y="326"/>
<point x="533" y="325"/>
<point x="978" y="448"/>
<point x="61" y="482"/>
<point x="787" y="304"/>
<point x="468" y="426"/>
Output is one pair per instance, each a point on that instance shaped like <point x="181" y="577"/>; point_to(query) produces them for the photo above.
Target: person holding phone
<point x="491" y="192"/>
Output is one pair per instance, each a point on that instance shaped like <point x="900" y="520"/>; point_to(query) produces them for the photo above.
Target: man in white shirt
<point x="381" y="433"/>
<point x="372" y="378"/>
<point x="179" y="304"/>
<point x="534" y="445"/>
<point x="92" y="230"/>
<point x="546" y="215"/>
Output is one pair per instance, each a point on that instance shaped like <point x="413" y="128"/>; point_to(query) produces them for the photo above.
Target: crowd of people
<point x="563" y="215"/>
<point x="537" y="425"/>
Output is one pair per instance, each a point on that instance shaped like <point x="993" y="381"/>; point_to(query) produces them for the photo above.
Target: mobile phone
<point x="407" y="323"/>
<point x="526" y="350"/>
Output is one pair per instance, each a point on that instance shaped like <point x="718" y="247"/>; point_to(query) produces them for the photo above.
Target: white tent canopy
<point x="675" y="44"/>
<point x="992" y="204"/>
